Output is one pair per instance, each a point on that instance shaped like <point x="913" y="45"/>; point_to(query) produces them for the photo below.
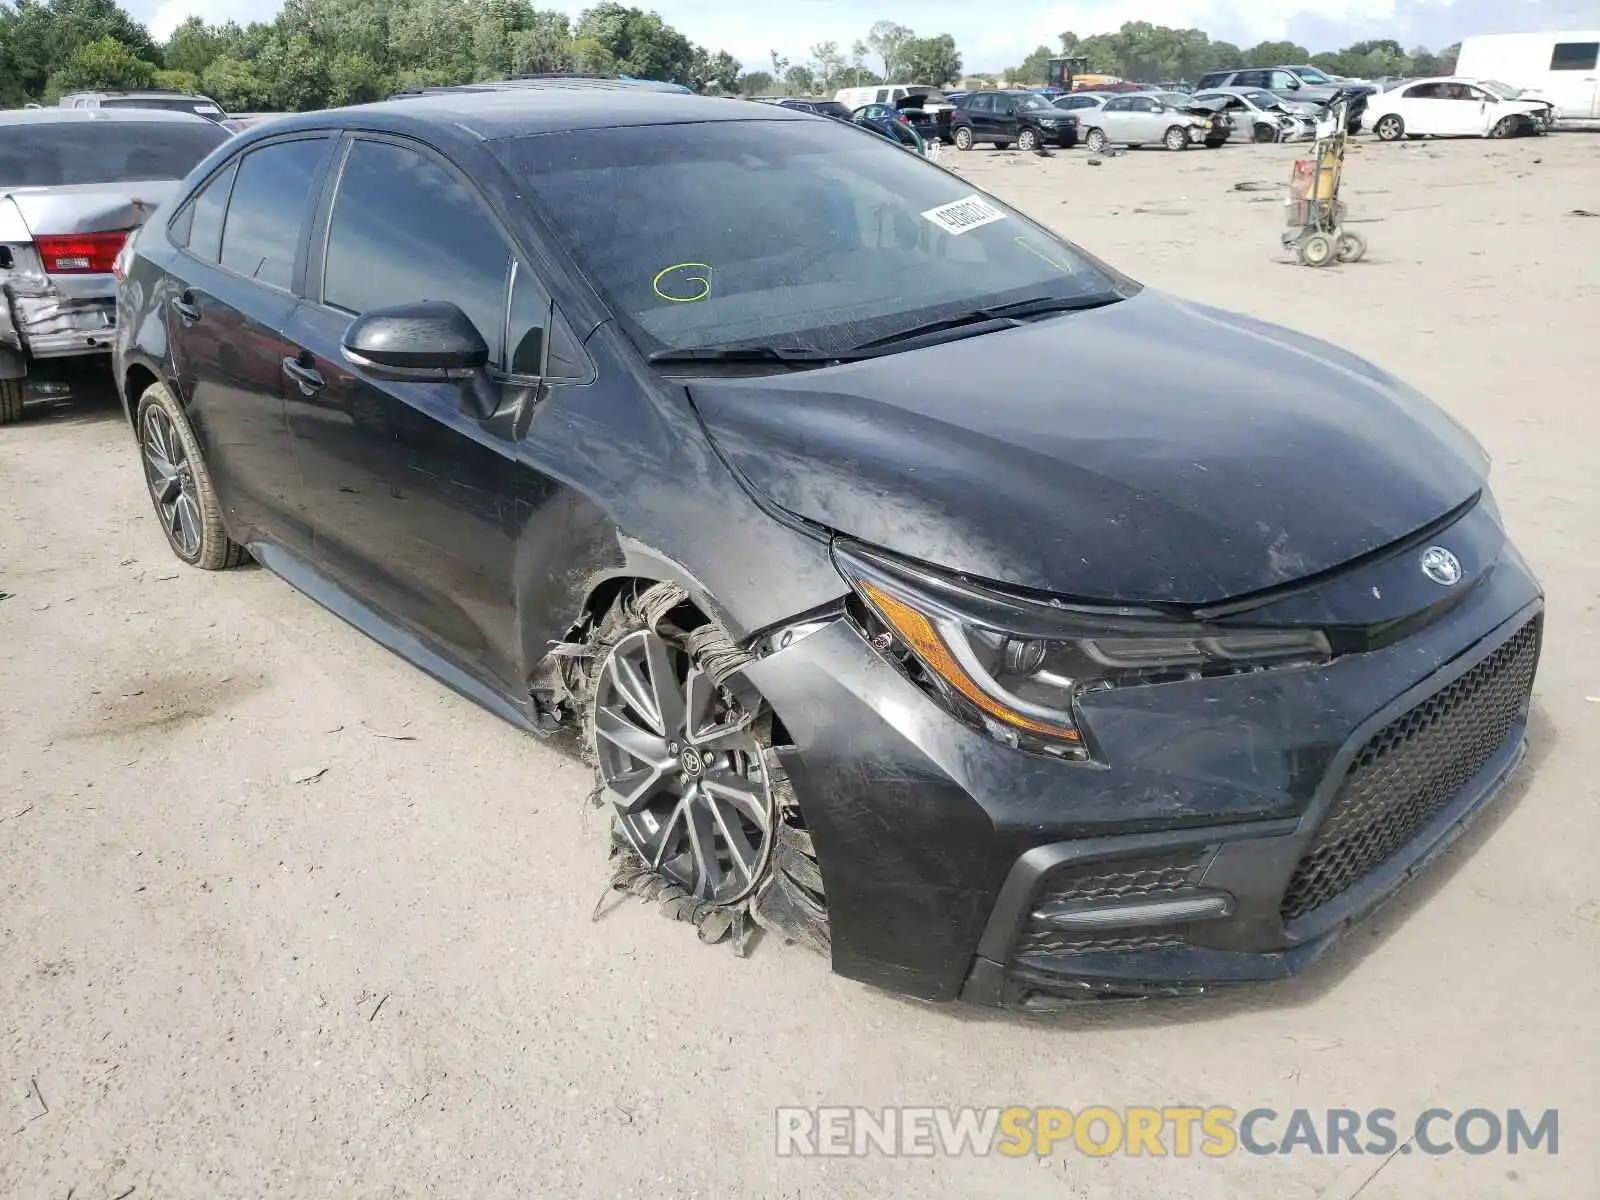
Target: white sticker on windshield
<point x="962" y="216"/>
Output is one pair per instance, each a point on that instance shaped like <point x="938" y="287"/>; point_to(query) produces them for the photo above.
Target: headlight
<point x="1016" y="667"/>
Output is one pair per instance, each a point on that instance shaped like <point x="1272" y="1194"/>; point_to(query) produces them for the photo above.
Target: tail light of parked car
<point x="80" y="253"/>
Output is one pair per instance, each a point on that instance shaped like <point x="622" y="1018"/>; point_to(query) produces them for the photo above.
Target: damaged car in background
<point x="74" y="184"/>
<point x="775" y="465"/>
<point x="1170" y="119"/>
<point x="1454" y="107"/>
<point x="1262" y="115"/>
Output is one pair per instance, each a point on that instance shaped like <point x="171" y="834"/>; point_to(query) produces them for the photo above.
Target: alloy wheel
<point x="170" y="477"/>
<point x="683" y="769"/>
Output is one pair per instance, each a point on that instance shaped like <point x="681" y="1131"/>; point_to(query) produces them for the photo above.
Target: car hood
<point x="1153" y="450"/>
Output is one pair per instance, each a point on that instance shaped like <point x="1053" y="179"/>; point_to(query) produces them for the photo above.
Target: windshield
<point x="1032" y="102"/>
<point x="1174" y="99"/>
<point x="794" y="233"/>
<point x="60" y="153"/>
<point x="1311" y="75"/>
<point x="1263" y="99"/>
<point x="1504" y="90"/>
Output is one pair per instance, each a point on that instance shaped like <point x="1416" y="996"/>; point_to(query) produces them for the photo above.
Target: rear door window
<point x="67" y="152"/>
<point x="271" y="196"/>
<point x="406" y="228"/>
<point x="1575" y="56"/>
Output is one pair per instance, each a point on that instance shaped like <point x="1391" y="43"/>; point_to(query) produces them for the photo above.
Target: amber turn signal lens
<point x="918" y="633"/>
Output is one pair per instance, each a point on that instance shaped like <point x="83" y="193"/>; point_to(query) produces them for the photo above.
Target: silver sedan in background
<point x="1170" y="119"/>
<point x="74" y="184"/>
<point x="1262" y="115"/>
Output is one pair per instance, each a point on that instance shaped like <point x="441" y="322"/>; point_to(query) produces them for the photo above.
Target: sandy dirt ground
<point x="219" y="981"/>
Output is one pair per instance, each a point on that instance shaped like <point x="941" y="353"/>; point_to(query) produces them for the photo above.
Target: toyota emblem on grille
<point x="1439" y="565"/>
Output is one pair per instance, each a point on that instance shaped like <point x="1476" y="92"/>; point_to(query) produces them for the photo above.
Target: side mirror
<point x="432" y="339"/>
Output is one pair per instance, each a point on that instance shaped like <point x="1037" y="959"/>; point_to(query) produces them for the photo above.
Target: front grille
<point x="1411" y="769"/>
<point x="1121" y="879"/>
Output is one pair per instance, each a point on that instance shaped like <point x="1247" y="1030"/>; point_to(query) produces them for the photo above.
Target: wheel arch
<point x="137" y="378"/>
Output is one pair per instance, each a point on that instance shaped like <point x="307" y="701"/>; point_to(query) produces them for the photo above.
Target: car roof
<point x="490" y="114"/>
<point x="143" y="93"/>
<point x="143" y="116"/>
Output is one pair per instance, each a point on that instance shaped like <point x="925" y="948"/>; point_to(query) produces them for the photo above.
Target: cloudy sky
<point x="749" y="29"/>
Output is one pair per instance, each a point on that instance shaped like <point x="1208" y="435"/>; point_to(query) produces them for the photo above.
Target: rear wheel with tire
<point x="10" y="401"/>
<point x="1390" y="128"/>
<point x="1350" y="247"/>
<point x="963" y="138"/>
<point x="1177" y="138"/>
<point x="180" y="485"/>
<point x="1096" y="142"/>
<point x="684" y="748"/>
<point x="1027" y="141"/>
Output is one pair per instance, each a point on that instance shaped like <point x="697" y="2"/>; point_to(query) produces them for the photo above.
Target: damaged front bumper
<point x="1234" y="829"/>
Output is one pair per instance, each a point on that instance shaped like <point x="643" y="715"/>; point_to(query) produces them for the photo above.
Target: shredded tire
<point x="788" y="900"/>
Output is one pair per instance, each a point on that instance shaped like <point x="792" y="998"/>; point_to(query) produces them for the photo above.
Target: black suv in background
<point x="1025" y="119"/>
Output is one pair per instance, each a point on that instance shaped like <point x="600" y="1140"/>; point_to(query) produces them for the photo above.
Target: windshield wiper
<point x="751" y="354"/>
<point x="999" y="316"/>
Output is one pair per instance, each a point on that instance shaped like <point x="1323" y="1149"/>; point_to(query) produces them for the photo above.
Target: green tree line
<point x="1154" y="53"/>
<point x="317" y="53"/>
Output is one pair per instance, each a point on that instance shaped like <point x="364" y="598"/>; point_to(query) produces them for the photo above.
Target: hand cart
<point x="1316" y="230"/>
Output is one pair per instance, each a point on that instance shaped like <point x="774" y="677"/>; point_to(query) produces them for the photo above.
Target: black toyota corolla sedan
<point x="921" y="587"/>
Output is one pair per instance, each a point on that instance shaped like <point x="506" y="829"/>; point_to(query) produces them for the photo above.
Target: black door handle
<point x="309" y="378"/>
<point x="188" y="312"/>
